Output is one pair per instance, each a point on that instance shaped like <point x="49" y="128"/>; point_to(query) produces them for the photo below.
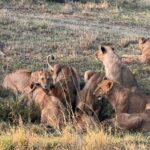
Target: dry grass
<point x="23" y="137"/>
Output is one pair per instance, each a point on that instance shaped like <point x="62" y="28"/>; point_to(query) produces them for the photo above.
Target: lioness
<point x="66" y="78"/>
<point x="20" y="79"/>
<point x="53" y="112"/>
<point x="86" y="101"/>
<point x="144" y="45"/>
<point x="114" y="68"/>
<point x="122" y="99"/>
<point x="135" y="122"/>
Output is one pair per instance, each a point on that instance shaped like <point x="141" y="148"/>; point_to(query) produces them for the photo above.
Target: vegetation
<point x="33" y="29"/>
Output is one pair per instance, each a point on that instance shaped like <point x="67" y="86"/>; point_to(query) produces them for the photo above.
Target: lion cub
<point x="86" y="101"/>
<point x="144" y="45"/>
<point x="67" y="79"/>
<point x="115" y="70"/>
<point x="53" y="112"/>
<point x="122" y="99"/>
<point x="20" y="79"/>
<point x="135" y="122"/>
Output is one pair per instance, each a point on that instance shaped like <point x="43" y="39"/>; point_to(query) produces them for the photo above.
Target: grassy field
<point x="31" y="31"/>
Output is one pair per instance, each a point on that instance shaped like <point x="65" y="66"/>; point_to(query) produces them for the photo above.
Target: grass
<point x="72" y="32"/>
<point x="33" y="137"/>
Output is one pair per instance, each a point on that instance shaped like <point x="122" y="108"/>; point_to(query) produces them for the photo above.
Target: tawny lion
<point x="87" y="103"/>
<point x="144" y="57"/>
<point x="122" y="99"/>
<point x="53" y="112"/>
<point x="115" y="69"/>
<point x="67" y="79"/>
<point x="134" y="122"/>
<point x="84" y="122"/>
<point x="20" y="79"/>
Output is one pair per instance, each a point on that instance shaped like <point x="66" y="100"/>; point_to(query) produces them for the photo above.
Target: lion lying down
<point x="134" y="122"/>
<point x="144" y="57"/>
<point x="20" y="79"/>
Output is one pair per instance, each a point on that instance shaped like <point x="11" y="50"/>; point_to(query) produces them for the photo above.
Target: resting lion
<point x="134" y="122"/>
<point x="20" y="79"/>
<point x="144" y="57"/>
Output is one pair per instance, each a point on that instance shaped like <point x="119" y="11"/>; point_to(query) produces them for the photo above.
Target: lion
<point x="53" y="112"/>
<point x="86" y="100"/>
<point x="134" y="122"/>
<point x="84" y="122"/>
<point x="20" y="79"/>
<point x="67" y="79"/>
<point x="114" y="69"/>
<point x="122" y="99"/>
<point x="144" y="57"/>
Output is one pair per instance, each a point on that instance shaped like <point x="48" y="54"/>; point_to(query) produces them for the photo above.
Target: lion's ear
<point x="110" y="84"/>
<point x="105" y="78"/>
<point x="32" y="85"/>
<point x="103" y="49"/>
<point x="142" y="40"/>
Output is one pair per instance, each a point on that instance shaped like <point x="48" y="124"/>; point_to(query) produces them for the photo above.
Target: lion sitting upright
<point x="66" y="83"/>
<point x="115" y="69"/>
<point x="122" y="99"/>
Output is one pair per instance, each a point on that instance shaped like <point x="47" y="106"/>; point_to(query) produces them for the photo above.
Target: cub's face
<point x="44" y="79"/>
<point x="103" y="88"/>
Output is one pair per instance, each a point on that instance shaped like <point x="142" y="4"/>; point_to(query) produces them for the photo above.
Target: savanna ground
<point x="31" y="30"/>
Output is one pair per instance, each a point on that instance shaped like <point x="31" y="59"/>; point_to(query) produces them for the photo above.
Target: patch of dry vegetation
<point x="33" y="137"/>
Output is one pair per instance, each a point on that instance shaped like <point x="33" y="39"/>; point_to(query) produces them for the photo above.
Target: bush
<point x="14" y="110"/>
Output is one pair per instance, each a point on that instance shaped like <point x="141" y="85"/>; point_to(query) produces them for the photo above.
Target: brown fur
<point x="52" y="110"/>
<point x="88" y="74"/>
<point x="84" y="122"/>
<point x="122" y="99"/>
<point x="144" y="45"/>
<point x="114" y="68"/>
<point x="67" y="83"/>
<point x="87" y="102"/>
<point x="17" y="81"/>
<point x="135" y="122"/>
